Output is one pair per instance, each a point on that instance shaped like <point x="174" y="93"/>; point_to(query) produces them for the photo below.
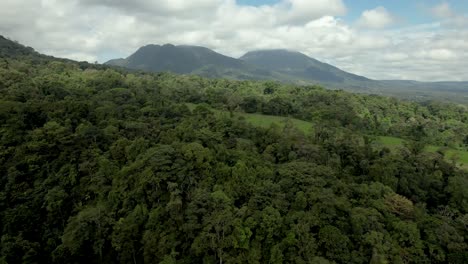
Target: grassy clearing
<point x="390" y="141"/>
<point x="266" y="121"/>
<point x="459" y="155"/>
<point x="462" y="158"/>
<point x="307" y="127"/>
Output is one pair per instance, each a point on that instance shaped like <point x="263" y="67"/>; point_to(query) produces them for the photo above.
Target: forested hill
<point x="101" y="165"/>
<point x="10" y="49"/>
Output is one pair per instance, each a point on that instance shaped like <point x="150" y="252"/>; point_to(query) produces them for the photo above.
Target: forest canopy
<point x="103" y="165"/>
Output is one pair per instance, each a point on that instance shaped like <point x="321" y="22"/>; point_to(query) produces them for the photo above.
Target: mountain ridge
<point x="145" y="57"/>
<point x="181" y="59"/>
<point x="282" y="65"/>
<point x="215" y="65"/>
<point x="190" y="59"/>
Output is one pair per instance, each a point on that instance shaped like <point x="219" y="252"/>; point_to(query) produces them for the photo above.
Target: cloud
<point x="157" y="7"/>
<point x="448" y="16"/>
<point x="442" y="10"/>
<point x="285" y="11"/>
<point x="101" y="30"/>
<point x="441" y="54"/>
<point x="305" y="10"/>
<point x="395" y="56"/>
<point x="376" y="18"/>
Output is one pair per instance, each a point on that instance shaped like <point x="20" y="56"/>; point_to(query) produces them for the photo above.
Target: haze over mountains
<point x="280" y="65"/>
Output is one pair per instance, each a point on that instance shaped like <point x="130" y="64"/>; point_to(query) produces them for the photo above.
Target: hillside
<point x="9" y="48"/>
<point x="16" y="52"/>
<point x="104" y="165"/>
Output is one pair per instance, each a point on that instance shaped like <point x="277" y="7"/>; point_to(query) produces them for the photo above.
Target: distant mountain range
<point x="191" y="60"/>
<point x="281" y="65"/>
<point x="276" y="65"/>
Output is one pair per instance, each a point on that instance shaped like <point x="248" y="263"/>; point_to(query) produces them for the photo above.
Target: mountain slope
<point x="299" y="65"/>
<point x="189" y="60"/>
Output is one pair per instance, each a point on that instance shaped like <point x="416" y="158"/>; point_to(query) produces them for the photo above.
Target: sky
<point x="380" y="39"/>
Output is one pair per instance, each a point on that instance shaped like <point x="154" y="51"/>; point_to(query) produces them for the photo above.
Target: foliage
<point x="107" y="166"/>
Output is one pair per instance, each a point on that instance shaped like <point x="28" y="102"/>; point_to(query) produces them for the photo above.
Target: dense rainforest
<point x="103" y="165"/>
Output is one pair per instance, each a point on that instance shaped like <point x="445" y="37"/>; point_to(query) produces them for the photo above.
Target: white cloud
<point x="101" y="30"/>
<point x="441" y="54"/>
<point x="376" y="18"/>
<point x="306" y="10"/>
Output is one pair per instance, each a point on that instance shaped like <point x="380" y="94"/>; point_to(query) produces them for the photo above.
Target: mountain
<point x="299" y="65"/>
<point x="279" y="65"/>
<point x="178" y="59"/>
<point x="186" y="59"/>
<point x="284" y="66"/>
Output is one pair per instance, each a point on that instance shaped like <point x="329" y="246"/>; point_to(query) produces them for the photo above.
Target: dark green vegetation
<point x="285" y="66"/>
<point x="105" y="166"/>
